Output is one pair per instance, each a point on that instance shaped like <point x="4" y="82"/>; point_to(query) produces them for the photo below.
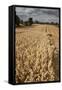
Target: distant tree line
<point x="17" y="20"/>
<point x="30" y="21"/>
<point x="26" y="23"/>
<point x="53" y="23"/>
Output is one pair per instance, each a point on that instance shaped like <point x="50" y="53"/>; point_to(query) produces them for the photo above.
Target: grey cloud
<point x="40" y="14"/>
<point x="51" y="12"/>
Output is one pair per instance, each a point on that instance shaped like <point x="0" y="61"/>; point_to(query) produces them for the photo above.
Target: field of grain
<point x="37" y="53"/>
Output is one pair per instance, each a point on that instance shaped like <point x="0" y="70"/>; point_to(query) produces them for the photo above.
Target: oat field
<point x="37" y="53"/>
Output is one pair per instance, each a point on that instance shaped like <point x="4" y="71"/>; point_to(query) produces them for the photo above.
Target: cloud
<point x="51" y="12"/>
<point x="40" y="14"/>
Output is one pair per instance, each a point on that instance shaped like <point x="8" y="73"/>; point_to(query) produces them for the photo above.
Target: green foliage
<point x="17" y="20"/>
<point x="26" y="23"/>
<point x="30" y="21"/>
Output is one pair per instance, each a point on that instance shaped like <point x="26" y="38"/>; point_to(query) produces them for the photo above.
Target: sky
<point x="39" y="14"/>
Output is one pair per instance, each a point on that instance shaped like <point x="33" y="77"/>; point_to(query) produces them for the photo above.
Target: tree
<point x="30" y="21"/>
<point x="21" y="21"/>
<point x="17" y="20"/>
<point x="36" y="22"/>
<point x="26" y="23"/>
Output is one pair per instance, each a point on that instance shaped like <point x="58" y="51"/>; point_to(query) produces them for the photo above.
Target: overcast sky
<point x="40" y="14"/>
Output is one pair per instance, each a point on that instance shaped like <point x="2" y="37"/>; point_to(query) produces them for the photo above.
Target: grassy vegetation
<point x="37" y="50"/>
